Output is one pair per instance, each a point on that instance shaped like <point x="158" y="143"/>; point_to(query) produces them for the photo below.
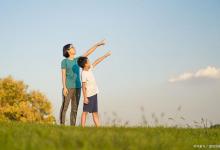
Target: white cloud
<point x="209" y="72"/>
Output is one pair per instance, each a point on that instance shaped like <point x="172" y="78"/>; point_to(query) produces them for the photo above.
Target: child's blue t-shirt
<point x="72" y="73"/>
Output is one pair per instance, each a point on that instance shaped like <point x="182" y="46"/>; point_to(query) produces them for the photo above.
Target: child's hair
<point x="65" y="50"/>
<point x="82" y="61"/>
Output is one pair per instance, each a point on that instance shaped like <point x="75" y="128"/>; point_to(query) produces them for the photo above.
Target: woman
<point x="71" y="81"/>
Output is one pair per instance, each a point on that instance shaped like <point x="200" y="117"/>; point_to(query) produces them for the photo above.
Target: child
<point x="89" y="88"/>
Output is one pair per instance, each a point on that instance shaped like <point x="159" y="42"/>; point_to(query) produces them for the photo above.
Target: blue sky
<point x="151" y="41"/>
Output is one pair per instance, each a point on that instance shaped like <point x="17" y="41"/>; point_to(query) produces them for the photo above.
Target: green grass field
<point x="16" y="136"/>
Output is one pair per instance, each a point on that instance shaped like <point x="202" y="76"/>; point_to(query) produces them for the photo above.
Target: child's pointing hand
<point x="108" y="53"/>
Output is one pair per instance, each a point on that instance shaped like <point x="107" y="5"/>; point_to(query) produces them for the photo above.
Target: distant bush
<point x="17" y="104"/>
<point x="215" y="126"/>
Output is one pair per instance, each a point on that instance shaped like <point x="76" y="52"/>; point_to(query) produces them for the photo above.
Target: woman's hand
<point x="102" y="42"/>
<point x="86" y="100"/>
<point x="91" y="50"/>
<point x="65" y="91"/>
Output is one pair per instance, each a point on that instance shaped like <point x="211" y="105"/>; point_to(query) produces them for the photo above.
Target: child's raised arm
<point x="97" y="61"/>
<point x="93" y="48"/>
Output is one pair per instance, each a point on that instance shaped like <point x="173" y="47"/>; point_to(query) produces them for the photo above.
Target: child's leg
<point x="83" y="119"/>
<point x="95" y="116"/>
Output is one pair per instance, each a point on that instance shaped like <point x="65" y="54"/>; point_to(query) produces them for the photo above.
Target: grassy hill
<point x="19" y="136"/>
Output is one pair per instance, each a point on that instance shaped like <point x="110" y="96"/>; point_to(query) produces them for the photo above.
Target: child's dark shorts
<point x="92" y="106"/>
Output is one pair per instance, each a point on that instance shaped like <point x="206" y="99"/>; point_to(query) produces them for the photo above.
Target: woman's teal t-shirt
<point x="72" y="73"/>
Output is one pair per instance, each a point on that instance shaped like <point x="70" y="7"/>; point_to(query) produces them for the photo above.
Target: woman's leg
<point x="95" y="116"/>
<point x="64" y="107"/>
<point x="83" y="119"/>
<point x="76" y="93"/>
<point x="74" y="107"/>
